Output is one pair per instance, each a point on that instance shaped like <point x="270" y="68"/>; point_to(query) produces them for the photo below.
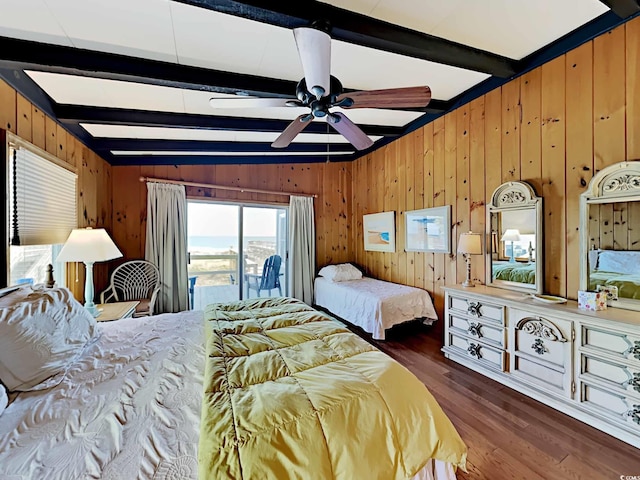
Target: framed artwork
<point x="379" y="232"/>
<point x="428" y="230"/>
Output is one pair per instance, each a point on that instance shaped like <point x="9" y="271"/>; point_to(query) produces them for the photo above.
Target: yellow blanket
<point x="290" y="393"/>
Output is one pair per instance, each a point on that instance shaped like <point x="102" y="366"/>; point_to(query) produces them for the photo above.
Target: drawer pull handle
<point x="635" y="350"/>
<point x="474" y="329"/>
<point x="634" y="413"/>
<point x="538" y="346"/>
<point x="634" y="382"/>
<point x="474" y="350"/>
<point x="473" y="308"/>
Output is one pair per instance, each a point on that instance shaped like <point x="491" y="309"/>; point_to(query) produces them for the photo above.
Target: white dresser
<point x="585" y="364"/>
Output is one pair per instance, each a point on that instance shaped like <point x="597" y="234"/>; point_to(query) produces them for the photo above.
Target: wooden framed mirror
<point x="610" y="234"/>
<point x="514" y="238"/>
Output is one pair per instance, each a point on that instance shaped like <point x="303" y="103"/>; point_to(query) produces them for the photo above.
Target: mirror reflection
<point x="514" y="226"/>
<point x="610" y="209"/>
<point x="614" y="265"/>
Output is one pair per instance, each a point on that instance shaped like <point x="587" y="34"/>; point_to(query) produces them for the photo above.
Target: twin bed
<point x="371" y="304"/>
<point x="288" y="393"/>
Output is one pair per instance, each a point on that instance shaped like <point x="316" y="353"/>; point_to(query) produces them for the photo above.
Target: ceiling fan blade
<point x="249" y="102"/>
<point x="314" y="49"/>
<point x="292" y="130"/>
<point x="389" y="98"/>
<point x="349" y="130"/>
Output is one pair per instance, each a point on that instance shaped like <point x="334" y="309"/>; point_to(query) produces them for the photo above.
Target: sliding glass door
<point x="235" y="252"/>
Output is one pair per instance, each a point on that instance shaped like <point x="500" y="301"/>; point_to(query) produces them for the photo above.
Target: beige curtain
<point x="302" y="247"/>
<point x="166" y="244"/>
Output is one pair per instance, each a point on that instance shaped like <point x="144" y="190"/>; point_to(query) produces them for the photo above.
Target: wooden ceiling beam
<point x="168" y="146"/>
<point x="623" y="8"/>
<point x="359" y="29"/>
<point x="224" y="160"/>
<point x="72" y="114"/>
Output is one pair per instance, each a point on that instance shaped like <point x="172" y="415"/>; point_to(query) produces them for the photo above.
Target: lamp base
<point x="93" y="310"/>
<point x="468" y="282"/>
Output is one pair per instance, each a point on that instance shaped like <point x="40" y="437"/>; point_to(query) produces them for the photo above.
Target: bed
<point x="371" y="304"/>
<point x="616" y="268"/>
<point x="515" y="272"/>
<point x="129" y="402"/>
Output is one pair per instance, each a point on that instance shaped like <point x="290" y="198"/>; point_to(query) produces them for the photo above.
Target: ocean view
<point x="221" y="243"/>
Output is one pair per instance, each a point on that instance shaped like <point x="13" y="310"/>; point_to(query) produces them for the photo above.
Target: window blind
<point x="42" y="199"/>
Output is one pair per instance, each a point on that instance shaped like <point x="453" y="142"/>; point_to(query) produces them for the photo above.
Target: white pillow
<point x="4" y="399"/>
<point x="619" y="261"/>
<point x="340" y="273"/>
<point x="41" y="333"/>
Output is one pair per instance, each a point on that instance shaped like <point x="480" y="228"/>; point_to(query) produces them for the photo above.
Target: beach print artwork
<point x="380" y="232"/>
<point x="427" y="230"/>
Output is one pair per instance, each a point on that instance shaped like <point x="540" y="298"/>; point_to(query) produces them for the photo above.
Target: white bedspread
<point x="129" y="408"/>
<point x="374" y="305"/>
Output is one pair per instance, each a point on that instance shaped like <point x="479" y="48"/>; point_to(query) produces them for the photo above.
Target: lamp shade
<point x="88" y="245"/>
<point x="470" y="243"/>
<point x="511" y="235"/>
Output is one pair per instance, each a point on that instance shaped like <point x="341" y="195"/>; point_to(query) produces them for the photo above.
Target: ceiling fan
<point x="320" y="92"/>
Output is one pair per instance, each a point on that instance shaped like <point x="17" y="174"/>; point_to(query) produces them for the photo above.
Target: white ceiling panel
<point x="375" y="69"/>
<point x="224" y="42"/>
<point x="97" y="92"/>
<point x="127" y="27"/>
<point x="513" y="28"/>
<point x="30" y="20"/>
<point x="164" y="133"/>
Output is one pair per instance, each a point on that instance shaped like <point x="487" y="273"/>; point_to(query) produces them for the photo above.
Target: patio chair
<point x="268" y="279"/>
<point x="136" y="280"/>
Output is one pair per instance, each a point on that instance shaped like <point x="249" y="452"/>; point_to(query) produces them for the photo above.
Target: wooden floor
<point x="509" y="435"/>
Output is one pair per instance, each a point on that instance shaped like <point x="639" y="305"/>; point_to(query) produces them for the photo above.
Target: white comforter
<point x="374" y="305"/>
<point x="129" y="408"/>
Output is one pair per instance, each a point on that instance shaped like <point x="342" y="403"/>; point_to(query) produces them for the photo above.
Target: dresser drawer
<point x="477" y="351"/>
<point x="542" y="353"/>
<point x="617" y="344"/>
<point x="542" y="338"/>
<point x="477" y="309"/>
<point x="488" y="332"/>
<point x="622" y="409"/>
<point x="622" y="378"/>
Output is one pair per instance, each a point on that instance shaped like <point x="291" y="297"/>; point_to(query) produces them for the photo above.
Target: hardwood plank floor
<point x="509" y="435"/>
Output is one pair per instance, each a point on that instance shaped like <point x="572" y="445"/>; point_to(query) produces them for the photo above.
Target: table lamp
<point x="511" y="235"/>
<point x="469" y="244"/>
<point x="89" y="245"/>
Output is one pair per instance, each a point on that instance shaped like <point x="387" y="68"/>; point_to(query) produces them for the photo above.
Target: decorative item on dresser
<point x="585" y="364"/>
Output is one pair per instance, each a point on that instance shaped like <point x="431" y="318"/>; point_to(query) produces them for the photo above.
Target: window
<point x="42" y="212"/>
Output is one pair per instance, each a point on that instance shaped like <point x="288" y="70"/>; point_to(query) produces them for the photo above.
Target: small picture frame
<point x="428" y="230"/>
<point x="379" y="232"/>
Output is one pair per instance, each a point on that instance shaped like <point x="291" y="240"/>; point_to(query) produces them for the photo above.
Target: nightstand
<point x="116" y="310"/>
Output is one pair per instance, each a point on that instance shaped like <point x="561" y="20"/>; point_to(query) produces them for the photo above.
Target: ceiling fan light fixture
<point x="314" y="49"/>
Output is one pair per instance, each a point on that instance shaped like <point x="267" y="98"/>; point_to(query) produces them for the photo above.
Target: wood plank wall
<point x="24" y="119"/>
<point x="615" y="226"/>
<point x="331" y="181"/>
<point x="552" y="127"/>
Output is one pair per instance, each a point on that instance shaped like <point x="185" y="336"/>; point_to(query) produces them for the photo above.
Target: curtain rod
<point x="223" y="187"/>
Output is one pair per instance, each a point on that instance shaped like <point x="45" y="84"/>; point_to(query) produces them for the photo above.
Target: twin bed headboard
<point x="620" y="261"/>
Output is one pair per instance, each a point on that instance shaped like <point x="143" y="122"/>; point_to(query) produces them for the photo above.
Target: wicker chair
<point x="136" y="280"/>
